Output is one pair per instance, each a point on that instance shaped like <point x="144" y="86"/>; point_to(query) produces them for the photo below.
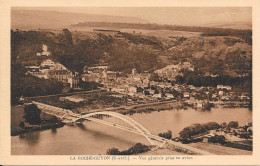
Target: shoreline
<point x="136" y="109"/>
<point x="38" y="128"/>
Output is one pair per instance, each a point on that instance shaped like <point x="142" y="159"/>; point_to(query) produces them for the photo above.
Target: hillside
<point x="34" y="19"/>
<point x="213" y="53"/>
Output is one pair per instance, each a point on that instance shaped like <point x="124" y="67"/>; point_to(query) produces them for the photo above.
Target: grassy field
<point x="220" y="150"/>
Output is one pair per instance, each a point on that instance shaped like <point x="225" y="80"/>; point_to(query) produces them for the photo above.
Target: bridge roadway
<point x="68" y="117"/>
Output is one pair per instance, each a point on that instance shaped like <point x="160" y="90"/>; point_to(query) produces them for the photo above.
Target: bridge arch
<point x="137" y="126"/>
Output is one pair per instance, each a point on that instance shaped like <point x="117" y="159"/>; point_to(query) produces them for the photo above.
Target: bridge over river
<point x="117" y="120"/>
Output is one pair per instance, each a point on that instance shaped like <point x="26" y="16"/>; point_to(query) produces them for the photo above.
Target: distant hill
<point x="35" y="19"/>
<point x="235" y="25"/>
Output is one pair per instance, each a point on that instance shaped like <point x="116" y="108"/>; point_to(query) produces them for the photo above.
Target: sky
<point x="167" y="15"/>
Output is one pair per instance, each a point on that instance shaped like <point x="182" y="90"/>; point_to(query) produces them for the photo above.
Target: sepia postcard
<point x="129" y="82"/>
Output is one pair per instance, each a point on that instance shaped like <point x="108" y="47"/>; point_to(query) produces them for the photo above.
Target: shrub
<point x="217" y="139"/>
<point x="244" y="135"/>
<point x="113" y="151"/>
<point x="167" y="135"/>
<point x="137" y="148"/>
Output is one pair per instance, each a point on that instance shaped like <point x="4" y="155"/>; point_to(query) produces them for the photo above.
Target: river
<point x="94" y="138"/>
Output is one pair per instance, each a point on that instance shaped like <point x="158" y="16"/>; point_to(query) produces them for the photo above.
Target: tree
<point x="186" y="132"/>
<point x="68" y="36"/>
<point x="154" y="77"/>
<point x="233" y="124"/>
<point x="138" y="148"/>
<point x="223" y="125"/>
<point x="32" y="114"/>
<point x="113" y="151"/>
<point x="212" y="125"/>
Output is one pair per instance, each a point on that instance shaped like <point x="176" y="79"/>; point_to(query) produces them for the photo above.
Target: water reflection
<point x="81" y="126"/>
<point x="103" y="134"/>
<point x="54" y="130"/>
<point x="31" y="138"/>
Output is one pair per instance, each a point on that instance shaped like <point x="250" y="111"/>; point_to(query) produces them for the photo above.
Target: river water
<point x="94" y="138"/>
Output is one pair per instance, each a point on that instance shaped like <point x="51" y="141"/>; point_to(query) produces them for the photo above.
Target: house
<point x="33" y="69"/>
<point x="225" y="98"/>
<point x="186" y="66"/>
<point x="224" y="87"/>
<point x="186" y="95"/>
<point x="214" y="96"/>
<point x="199" y="104"/>
<point x="60" y="75"/>
<point x="153" y="83"/>
<point x="146" y="82"/>
<point x="134" y="71"/>
<point x="111" y="75"/>
<point x="47" y="65"/>
<point x="169" y="96"/>
<point x="73" y="80"/>
<point x="44" y="52"/>
<point x="244" y="97"/>
<point x="157" y="95"/>
<point x="119" y="89"/>
<point x="94" y="69"/>
<point x="151" y="92"/>
<point x="191" y="87"/>
<point x="132" y="89"/>
<point x="92" y="77"/>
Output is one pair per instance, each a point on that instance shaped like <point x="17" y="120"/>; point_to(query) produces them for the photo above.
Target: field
<point x="220" y="150"/>
<point x="156" y="33"/>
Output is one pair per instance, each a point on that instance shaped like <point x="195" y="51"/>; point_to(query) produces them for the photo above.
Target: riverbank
<point x="148" y="109"/>
<point x="220" y="150"/>
<point x="17" y="113"/>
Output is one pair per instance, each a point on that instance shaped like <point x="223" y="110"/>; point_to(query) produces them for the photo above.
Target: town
<point x="138" y="88"/>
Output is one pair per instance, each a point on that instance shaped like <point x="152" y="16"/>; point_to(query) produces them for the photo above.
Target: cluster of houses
<point x="50" y="69"/>
<point x="137" y="84"/>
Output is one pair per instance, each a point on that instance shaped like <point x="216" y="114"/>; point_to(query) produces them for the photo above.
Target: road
<point x="64" y="94"/>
